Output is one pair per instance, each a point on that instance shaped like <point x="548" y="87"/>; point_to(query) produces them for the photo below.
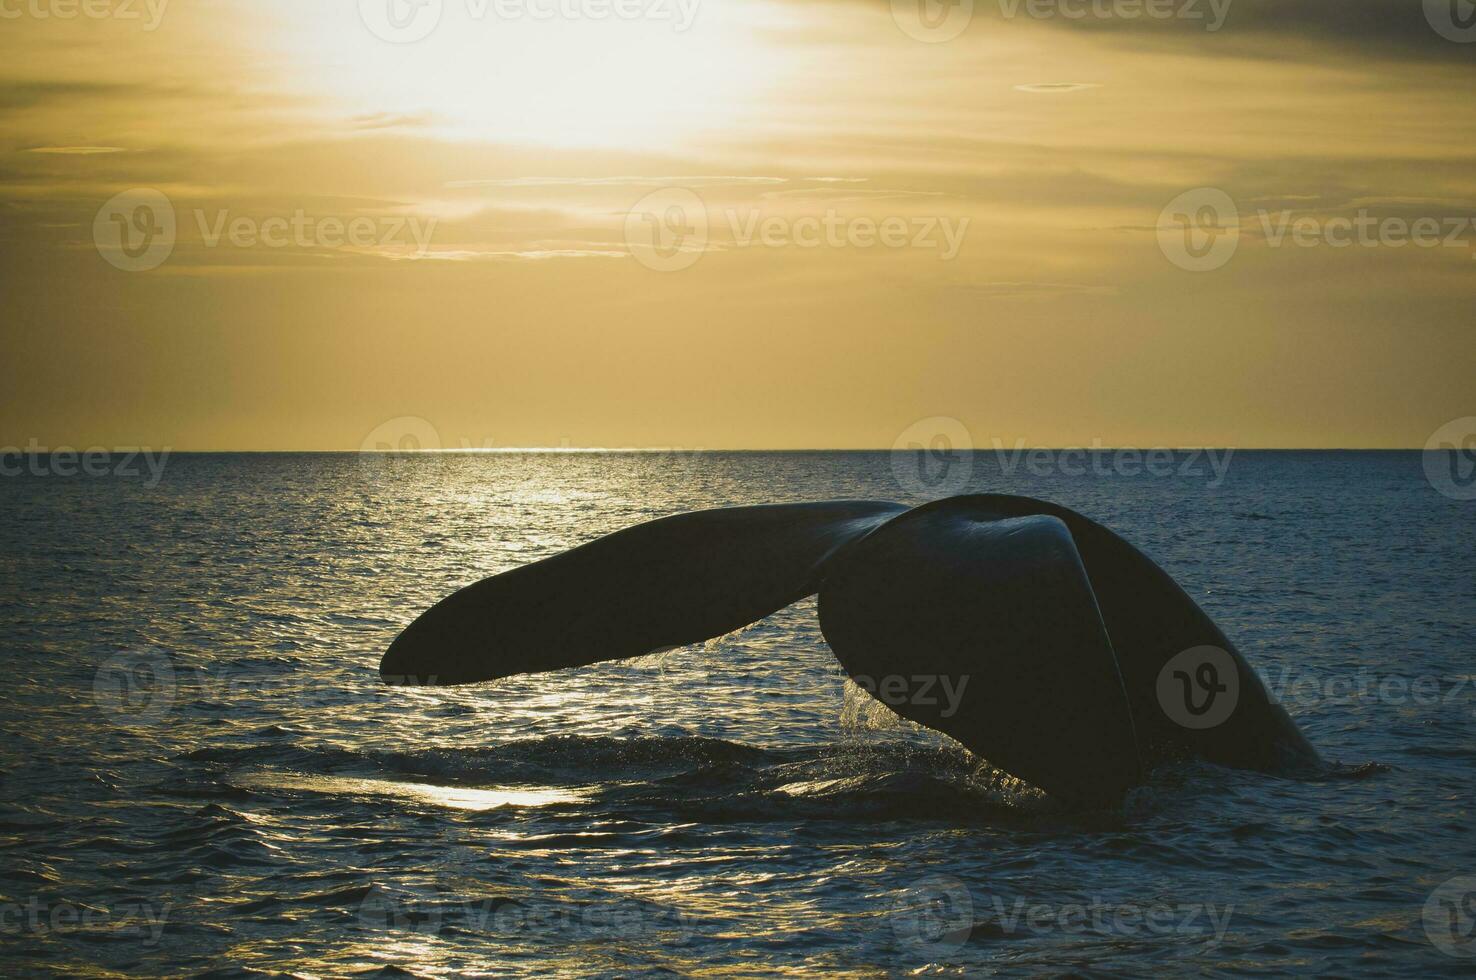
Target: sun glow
<point x="544" y="73"/>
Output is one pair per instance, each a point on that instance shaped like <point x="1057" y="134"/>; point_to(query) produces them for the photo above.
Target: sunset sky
<point x="578" y="230"/>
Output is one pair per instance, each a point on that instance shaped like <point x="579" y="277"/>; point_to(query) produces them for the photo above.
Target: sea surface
<point x="200" y="772"/>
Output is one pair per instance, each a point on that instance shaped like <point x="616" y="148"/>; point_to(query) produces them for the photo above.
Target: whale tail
<point x="1049" y="631"/>
<point x="662" y="584"/>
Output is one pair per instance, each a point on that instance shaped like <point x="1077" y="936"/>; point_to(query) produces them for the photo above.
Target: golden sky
<point x="281" y="224"/>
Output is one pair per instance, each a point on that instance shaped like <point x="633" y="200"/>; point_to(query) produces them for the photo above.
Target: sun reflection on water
<point x="453" y="797"/>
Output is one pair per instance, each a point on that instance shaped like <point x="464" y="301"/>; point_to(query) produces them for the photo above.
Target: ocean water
<point x="202" y="773"/>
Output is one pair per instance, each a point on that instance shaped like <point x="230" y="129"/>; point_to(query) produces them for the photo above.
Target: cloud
<point x="627" y="181"/>
<point x="833" y="195"/>
<point x="1027" y="288"/>
<point x="391" y="120"/>
<point x="535" y="254"/>
<point x="1056" y="87"/>
<point x="32" y="93"/>
<point x="81" y="151"/>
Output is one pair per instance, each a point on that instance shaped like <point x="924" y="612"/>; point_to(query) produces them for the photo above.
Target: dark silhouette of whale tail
<point x="1071" y="660"/>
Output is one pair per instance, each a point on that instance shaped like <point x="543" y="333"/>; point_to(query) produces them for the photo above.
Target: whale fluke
<point x="1002" y="608"/>
<point x="665" y="583"/>
<point x="1051" y="635"/>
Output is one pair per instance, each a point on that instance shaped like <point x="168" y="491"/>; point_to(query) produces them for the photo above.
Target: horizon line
<point x="592" y="450"/>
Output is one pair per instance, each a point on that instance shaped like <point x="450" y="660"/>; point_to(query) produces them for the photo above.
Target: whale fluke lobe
<point x="1001" y="607"/>
<point x="665" y="583"/>
<point x="1150" y="621"/>
<point x="1032" y="635"/>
